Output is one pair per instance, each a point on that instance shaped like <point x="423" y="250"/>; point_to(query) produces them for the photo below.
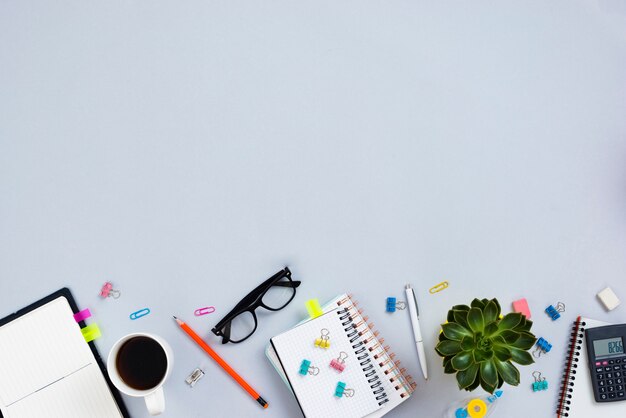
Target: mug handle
<point x="155" y="402"/>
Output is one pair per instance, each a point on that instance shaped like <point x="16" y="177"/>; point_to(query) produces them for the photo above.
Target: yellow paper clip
<point x="438" y="288"/>
<point x="91" y="332"/>
<point x="314" y="308"/>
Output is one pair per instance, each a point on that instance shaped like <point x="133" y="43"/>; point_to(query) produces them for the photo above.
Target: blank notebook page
<point x="47" y="368"/>
<point x="316" y="394"/>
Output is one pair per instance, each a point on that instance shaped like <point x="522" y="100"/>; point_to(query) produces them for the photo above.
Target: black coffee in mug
<point x="141" y="363"/>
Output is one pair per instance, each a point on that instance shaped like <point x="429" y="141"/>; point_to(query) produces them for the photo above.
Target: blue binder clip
<point x="543" y="346"/>
<point x="341" y="390"/>
<point x="392" y="305"/>
<point x="540" y="383"/>
<point x="553" y="312"/>
<point x="306" y="368"/>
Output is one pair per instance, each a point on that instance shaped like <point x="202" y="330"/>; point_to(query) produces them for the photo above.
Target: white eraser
<point x="608" y="298"/>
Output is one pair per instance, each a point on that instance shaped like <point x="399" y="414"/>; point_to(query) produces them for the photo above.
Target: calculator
<point x="607" y="362"/>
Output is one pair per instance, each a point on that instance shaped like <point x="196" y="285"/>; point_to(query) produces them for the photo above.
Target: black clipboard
<point x="65" y="293"/>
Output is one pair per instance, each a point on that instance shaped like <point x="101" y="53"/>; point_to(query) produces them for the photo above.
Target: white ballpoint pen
<point x="417" y="332"/>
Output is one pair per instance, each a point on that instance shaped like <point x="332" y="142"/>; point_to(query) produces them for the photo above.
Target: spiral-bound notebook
<point x="576" y="393"/>
<point x="379" y="384"/>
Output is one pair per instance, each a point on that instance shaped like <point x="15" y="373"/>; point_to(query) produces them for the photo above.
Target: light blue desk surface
<point x="185" y="151"/>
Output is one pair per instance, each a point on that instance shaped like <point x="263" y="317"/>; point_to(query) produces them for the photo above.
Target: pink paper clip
<point x="339" y="363"/>
<point x="108" y="291"/>
<point x="204" y="311"/>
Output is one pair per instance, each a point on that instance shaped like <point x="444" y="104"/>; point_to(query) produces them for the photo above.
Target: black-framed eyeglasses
<point x="273" y="294"/>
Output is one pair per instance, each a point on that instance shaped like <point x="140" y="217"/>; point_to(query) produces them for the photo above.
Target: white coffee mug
<point x="154" y="398"/>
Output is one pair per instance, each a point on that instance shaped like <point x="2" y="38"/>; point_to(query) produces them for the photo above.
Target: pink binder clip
<point x="204" y="311"/>
<point x="108" y="291"/>
<point x="339" y="363"/>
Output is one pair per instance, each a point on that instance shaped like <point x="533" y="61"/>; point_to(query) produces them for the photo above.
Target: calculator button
<point x="611" y="388"/>
<point x="611" y="361"/>
<point x="599" y="369"/>
<point x="617" y="374"/>
<point x="610" y="382"/>
<point x="612" y="395"/>
<point x="619" y="388"/>
<point x="616" y="367"/>
<point x="608" y="369"/>
<point x="619" y="360"/>
<point x="609" y="375"/>
<point x="619" y="380"/>
<point x="600" y="376"/>
<point x="624" y="366"/>
<point x="601" y="383"/>
<point x="602" y="390"/>
<point x="604" y="363"/>
<point x="598" y="363"/>
<point x="620" y="394"/>
<point x="603" y="396"/>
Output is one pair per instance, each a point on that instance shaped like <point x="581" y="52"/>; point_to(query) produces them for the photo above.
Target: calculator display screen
<point x="608" y="347"/>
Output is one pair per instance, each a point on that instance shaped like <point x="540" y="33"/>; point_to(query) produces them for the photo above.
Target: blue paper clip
<point x="139" y="313"/>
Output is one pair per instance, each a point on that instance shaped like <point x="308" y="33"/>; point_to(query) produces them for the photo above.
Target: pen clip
<point x="417" y="309"/>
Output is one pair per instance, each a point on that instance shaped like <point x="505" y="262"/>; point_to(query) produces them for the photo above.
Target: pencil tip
<point x="174" y="317"/>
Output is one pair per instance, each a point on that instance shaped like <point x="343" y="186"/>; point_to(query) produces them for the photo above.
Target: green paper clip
<point x="91" y="332"/>
<point x="314" y="308"/>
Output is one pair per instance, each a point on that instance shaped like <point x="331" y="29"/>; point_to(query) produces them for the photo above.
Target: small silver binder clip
<point x="193" y="378"/>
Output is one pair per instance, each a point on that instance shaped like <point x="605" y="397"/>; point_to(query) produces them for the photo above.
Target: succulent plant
<point x="480" y="345"/>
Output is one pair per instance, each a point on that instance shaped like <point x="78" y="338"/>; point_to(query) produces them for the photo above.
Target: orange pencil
<point x="221" y="362"/>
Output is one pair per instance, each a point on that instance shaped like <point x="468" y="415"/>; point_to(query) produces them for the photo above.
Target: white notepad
<point x="391" y="387"/>
<point x="47" y="368"/>
<point x="576" y="398"/>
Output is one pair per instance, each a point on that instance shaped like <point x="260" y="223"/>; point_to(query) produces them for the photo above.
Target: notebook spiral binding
<point x="571" y="364"/>
<point x="368" y="349"/>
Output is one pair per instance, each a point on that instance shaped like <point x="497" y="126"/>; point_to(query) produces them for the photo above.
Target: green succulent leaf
<point x="498" y="340"/>
<point x="482" y="355"/>
<point x="521" y="357"/>
<point x="466" y="377"/>
<point x="488" y="388"/>
<point x="525" y="341"/>
<point x="476" y="320"/>
<point x="498" y="305"/>
<point x="467" y="343"/>
<point x="510" y="336"/>
<point x="455" y="332"/>
<point x="477" y="303"/>
<point x="502" y="353"/>
<point x="448" y="347"/>
<point x="450" y="317"/>
<point x="463" y="360"/>
<point x="475" y="384"/>
<point x="491" y="312"/>
<point x="461" y="317"/>
<point x="491" y="328"/>
<point x="447" y="366"/>
<point x="460" y="308"/>
<point x="508" y="372"/>
<point x="524" y="325"/>
<point x="510" y="320"/>
<point x="489" y="373"/>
